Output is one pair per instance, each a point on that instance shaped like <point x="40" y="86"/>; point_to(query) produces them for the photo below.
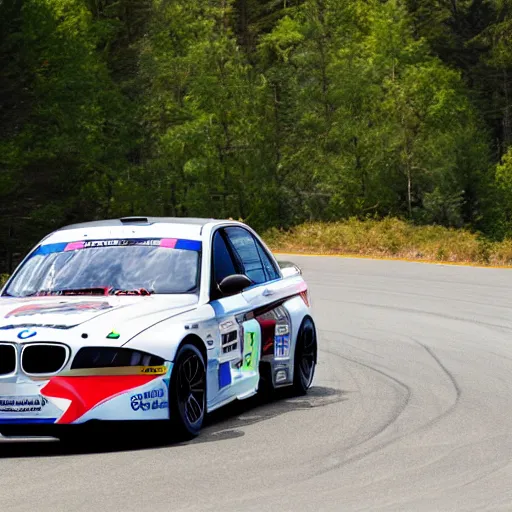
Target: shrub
<point x="3" y="279"/>
<point x="391" y="238"/>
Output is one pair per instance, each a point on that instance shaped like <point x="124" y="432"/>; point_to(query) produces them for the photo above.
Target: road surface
<point x="411" y="410"/>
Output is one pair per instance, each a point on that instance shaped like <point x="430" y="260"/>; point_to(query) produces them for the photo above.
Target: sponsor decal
<point x="113" y="335"/>
<point x="58" y="308"/>
<point x="251" y="357"/>
<point x="229" y="342"/>
<point x="226" y="325"/>
<point x="149" y="400"/>
<point x="85" y="393"/>
<point x="169" y="243"/>
<point x="224" y="375"/>
<point x="26" y="334"/>
<point x="117" y="243"/>
<point x="282" y="329"/>
<point x="22" y="403"/>
<point x="26" y="326"/>
<point x="282" y="345"/>
<point x="117" y="370"/>
<point x="153" y="370"/>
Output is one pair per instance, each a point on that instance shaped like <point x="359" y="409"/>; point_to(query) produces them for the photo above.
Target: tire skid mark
<point x="498" y="327"/>
<point x="447" y="372"/>
<point x="486" y="475"/>
<point x="394" y="417"/>
<point x="419" y="429"/>
<point x="342" y="277"/>
<point x="396" y="414"/>
<point x="403" y="293"/>
<point x="360" y="338"/>
<point x="413" y="502"/>
<point x="428" y="424"/>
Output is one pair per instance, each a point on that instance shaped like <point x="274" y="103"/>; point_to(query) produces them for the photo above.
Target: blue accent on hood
<point x="26" y="334"/>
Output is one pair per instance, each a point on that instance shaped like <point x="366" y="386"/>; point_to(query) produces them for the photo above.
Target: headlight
<point x="108" y="357"/>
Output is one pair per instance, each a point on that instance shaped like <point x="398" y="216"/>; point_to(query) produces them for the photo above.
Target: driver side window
<point x="223" y="265"/>
<point x="251" y="256"/>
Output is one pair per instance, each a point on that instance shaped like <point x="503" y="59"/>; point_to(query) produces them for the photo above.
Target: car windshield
<point x="158" y="266"/>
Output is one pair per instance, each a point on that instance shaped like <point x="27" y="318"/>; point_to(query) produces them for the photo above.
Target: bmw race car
<point x="144" y="318"/>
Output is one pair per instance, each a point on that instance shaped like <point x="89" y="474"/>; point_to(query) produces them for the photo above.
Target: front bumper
<point x="74" y="398"/>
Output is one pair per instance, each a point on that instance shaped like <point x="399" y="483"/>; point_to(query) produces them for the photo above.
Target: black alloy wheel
<point x="187" y="406"/>
<point x="305" y="357"/>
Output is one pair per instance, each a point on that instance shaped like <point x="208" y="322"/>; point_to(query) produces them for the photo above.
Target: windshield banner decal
<point x="167" y="243"/>
<point x="73" y="246"/>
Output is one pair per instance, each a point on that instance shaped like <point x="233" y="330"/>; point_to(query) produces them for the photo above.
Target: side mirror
<point x="231" y="285"/>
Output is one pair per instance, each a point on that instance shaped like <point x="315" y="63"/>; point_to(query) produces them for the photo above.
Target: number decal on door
<point x="251" y="346"/>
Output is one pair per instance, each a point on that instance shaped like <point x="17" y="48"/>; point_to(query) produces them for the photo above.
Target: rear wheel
<point x="187" y="392"/>
<point x="305" y="357"/>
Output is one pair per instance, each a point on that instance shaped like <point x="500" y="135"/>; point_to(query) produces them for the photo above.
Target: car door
<point x="233" y="378"/>
<point x="253" y="324"/>
<point x="272" y="308"/>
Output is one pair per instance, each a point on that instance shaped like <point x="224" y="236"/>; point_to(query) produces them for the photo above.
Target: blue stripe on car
<point x="27" y="420"/>
<point x="188" y="245"/>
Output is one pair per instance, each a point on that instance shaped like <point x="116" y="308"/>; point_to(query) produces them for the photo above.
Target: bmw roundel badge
<point x="27" y="333"/>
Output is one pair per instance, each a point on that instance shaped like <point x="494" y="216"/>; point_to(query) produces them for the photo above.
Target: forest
<point x="276" y="112"/>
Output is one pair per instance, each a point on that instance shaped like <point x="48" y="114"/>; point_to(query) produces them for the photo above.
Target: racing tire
<point x="305" y="357"/>
<point x="187" y="393"/>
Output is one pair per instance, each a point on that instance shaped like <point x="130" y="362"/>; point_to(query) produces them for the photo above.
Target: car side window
<point x="246" y="249"/>
<point x="269" y="266"/>
<point x="223" y="265"/>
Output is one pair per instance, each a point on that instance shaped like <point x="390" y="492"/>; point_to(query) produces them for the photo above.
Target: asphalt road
<point x="411" y="410"/>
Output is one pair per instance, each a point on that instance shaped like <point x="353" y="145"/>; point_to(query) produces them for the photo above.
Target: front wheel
<point x="305" y="357"/>
<point x="187" y="392"/>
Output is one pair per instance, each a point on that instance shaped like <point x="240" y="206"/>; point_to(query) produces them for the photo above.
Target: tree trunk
<point x="507" y="124"/>
<point x="409" y="198"/>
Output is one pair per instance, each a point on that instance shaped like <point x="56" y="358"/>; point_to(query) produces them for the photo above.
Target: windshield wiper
<point x="72" y="291"/>
<point x="100" y="290"/>
<point x="139" y="291"/>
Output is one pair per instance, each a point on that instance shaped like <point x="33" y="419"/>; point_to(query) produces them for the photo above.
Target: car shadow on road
<point x="225" y="423"/>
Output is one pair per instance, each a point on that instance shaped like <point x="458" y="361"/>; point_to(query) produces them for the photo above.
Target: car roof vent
<point x="134" y="220"/>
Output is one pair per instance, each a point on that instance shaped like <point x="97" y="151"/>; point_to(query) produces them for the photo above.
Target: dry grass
<point x="3" y="279"/>
<point x="391" y="238"/>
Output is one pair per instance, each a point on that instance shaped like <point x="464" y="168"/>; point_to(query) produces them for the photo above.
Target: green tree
<point x="198" y="152"/>
<point x="504" y="189"/>
<point x="374" y="123"/>
<point x="71" y="141"/>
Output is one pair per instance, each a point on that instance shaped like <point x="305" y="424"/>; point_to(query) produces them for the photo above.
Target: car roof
<point x="133" y="227"/>
<point x="140" y="221"/>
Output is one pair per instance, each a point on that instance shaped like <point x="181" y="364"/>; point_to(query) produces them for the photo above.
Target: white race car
<point x="145" y="318"/>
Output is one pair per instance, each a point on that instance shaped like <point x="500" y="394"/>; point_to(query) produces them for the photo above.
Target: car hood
<point x="55" y="318"/>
